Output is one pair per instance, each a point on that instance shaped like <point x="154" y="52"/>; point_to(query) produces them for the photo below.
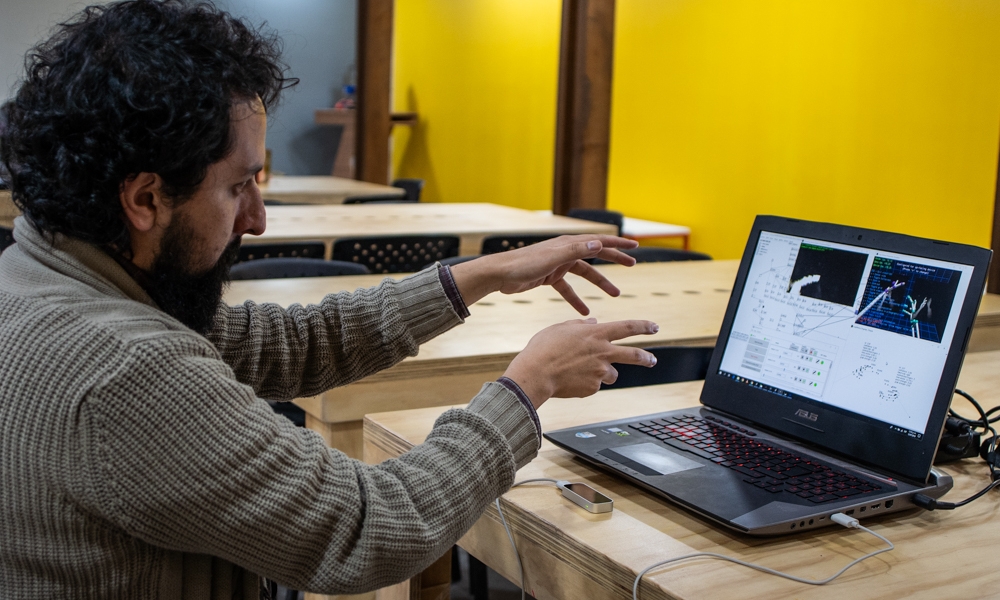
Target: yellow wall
<point x="482" y="75"/>
<point x="884" y="114"/>
<point x="880" y="113"/>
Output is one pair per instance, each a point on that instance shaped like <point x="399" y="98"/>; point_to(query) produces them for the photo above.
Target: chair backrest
<point x="456" y="260"/>
<point x="645" y="254"/>
<point x="673" y="364"/>
<point x="6" y="238"/>
<point x="600" y="216"/>
<point x="376" y="199"/>
<point x="279" y="268"/>
<point x="299" y="250"/>
<point x="270" y="202"/>
<point x="503" y="243"/>
<point x="413" y="188"/>
<point x="396" y="254"/>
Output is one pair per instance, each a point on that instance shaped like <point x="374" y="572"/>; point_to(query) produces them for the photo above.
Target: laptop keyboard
<point x="762" y="465"/>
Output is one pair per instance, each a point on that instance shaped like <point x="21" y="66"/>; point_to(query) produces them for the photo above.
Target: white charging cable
<point x="839" y="518"/>
<point x="520" y="568"/>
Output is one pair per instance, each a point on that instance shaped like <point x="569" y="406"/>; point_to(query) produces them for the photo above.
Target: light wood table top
<point x="322" y="189"/>
<point x="471" y="222"/>
<point x="641" y="229"/>
<point x="687" y="300"/>
<point x="569" y="553"/>
<point x="8" y="210"/>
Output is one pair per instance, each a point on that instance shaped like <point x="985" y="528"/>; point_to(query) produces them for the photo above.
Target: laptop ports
<point x="889" y="503"/>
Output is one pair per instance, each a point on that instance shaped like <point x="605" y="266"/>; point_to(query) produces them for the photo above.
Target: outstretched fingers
<point x="569" y="294"/>
<point x="595" y="277"/>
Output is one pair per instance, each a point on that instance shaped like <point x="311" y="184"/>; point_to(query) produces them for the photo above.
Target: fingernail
<point x="594" y="245"/>
<point x="654" y="329"/>
<point x="652" y="360"/>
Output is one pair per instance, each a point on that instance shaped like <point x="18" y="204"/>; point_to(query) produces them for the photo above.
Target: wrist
<point x="531" y="387"/>
<point x="476" y="279"/>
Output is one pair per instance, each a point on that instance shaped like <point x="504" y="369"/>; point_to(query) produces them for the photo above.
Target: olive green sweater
<point x="139" y="459"/>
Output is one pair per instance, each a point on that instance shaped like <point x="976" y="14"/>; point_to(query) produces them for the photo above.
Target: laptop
<point x="828" y="388"/>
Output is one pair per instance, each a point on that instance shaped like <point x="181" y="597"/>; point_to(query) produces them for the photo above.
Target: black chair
<point x="503" y="243"/>
<point x="599" y="216"/>
<point x="455" y="260"/>
<point x="280" y="268"/>
<point x="6" y="238"/>
<point x="376" y="199"/>
<point x="673" y="364"/>
<point x="300" y="250"/>
<point x="647" y="254"/>
<point x="398" y="254"/>
<point x="413" y="188"/>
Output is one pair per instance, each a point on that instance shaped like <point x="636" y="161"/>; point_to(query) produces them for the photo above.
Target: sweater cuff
<point x="451" y="289"/>
<point x="500" y="406"/>
<point x="511" y="385"/>
<point x="424" y="305"/>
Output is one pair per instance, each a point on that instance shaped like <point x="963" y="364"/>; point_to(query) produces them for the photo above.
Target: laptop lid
<point x="847" y="338"/>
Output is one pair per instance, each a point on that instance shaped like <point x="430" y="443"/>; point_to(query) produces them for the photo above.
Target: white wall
<point x="319" y="47"/>
<point x="23" y="23"/>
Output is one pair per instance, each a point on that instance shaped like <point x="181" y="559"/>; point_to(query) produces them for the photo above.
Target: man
<point x="138" y="457"/>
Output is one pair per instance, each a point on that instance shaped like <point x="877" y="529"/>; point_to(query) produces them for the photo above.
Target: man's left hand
<point x="544" y="263"/>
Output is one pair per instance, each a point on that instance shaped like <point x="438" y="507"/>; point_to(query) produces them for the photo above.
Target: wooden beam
<point x="583" y="118"/>
<point x="374" y="89"/>
<point x="993" y="280"/>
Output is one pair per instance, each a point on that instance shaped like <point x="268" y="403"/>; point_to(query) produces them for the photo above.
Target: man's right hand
<point x="572" y="359"/>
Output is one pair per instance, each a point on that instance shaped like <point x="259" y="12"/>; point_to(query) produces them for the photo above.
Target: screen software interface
<point x="863" y="330"/>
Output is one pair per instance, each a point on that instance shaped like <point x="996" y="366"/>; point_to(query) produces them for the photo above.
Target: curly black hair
<point x="131" y="87"/>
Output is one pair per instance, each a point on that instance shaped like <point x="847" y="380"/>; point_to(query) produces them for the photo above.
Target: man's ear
<point x="144" y="203"/>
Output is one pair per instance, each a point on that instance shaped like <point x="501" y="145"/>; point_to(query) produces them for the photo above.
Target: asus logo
<point x="805" y="414"/>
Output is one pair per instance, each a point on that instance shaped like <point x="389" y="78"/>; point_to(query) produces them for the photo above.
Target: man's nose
<point x="252" y="219"/>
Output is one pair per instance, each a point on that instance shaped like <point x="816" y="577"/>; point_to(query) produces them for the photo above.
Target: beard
<point x="190" y="296"/>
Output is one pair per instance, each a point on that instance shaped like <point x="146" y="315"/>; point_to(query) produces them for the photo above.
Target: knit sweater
<point x="139" y="459"/>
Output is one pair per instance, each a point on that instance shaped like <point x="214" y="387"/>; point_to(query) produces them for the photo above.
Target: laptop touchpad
<point x="651" y="456"/>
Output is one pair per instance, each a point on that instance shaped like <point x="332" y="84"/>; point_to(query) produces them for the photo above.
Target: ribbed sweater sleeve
<point x="179" y="454"/>
<point x="305" y="350"/>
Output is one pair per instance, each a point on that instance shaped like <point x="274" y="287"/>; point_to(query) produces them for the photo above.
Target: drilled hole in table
<point x="723" y="290"/>
<point x="660" y="294"/>
<point x="484" y="304"/>
<point x="555" y="299"/>
<point x="691" y="292"/>
<point x="522" y="301"/>
<point x="593" y="298"/>
<point x="628" y="295"/>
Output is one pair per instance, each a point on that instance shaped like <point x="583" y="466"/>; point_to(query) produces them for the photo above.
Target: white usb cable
<point x="838" y="518"/>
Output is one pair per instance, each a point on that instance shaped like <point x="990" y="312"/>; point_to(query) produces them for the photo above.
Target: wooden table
<point x="471" y="222"/>
<point x="322" y="189"/>
<point x="641" y="229"/>
<point x="569" y="553"/>
<point x="8" y="210"/>
<point x="687" y="300"/>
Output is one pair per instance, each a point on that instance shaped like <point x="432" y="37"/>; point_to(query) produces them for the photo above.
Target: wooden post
<point x="993" y="278"/>
<point x="374" y="88"/>
<point x="583" y="118"/>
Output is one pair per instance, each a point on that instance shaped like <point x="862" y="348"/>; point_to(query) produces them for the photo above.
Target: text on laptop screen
<point x="862" y="330"/>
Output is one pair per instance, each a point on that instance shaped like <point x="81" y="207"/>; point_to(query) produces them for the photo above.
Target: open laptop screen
<point x="860" y="330"/>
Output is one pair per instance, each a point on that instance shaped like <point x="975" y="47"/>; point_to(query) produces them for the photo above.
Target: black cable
<point x="932" y="504"/>
<point x="991" y="456"/>
<point x="984" y="421"/>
